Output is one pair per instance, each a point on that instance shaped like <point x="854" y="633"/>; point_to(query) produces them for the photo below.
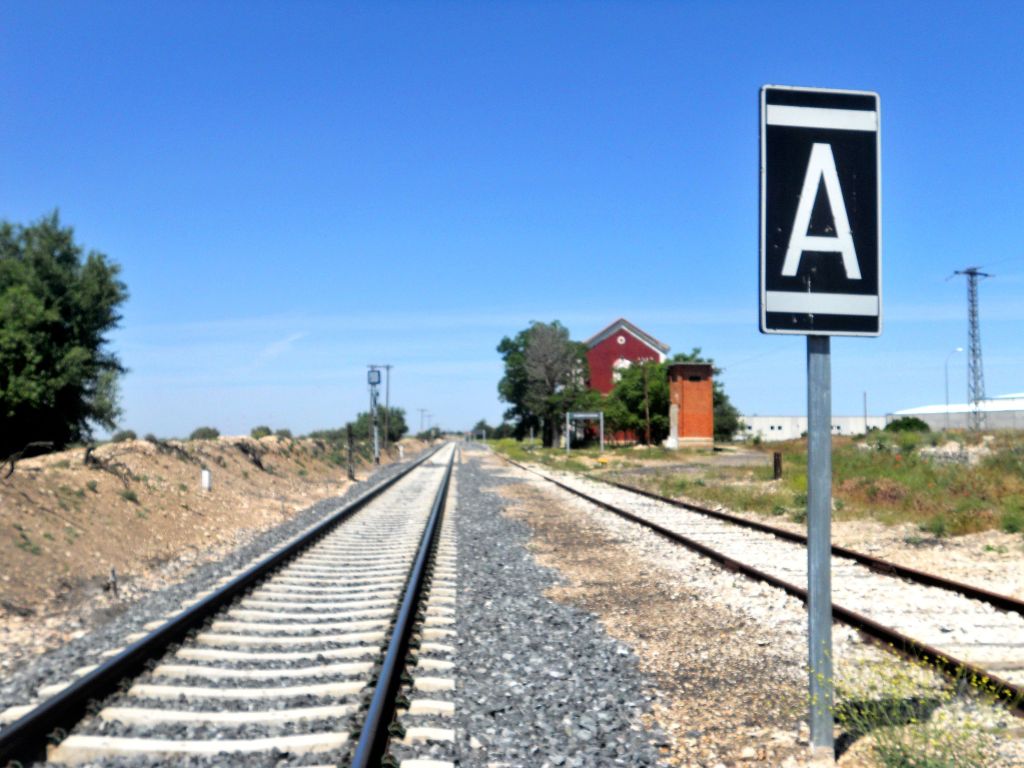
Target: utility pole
<point x="422" y="411"/>
<point x="975" y="368"/>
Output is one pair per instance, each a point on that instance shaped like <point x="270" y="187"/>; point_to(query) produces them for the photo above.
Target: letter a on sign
<point x="820" y="212"/>
<point x="821" y="166"/>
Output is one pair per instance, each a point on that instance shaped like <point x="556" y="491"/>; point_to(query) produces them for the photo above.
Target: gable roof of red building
<point x="624" y="324"/>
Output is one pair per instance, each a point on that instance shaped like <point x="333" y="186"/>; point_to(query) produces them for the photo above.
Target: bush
<point x="204" y="433"/>
<point x="257" y="432"/>
<point x="122" y="435"/>
<point x="1011" y="520"/>
<point x="129" y="495"/>
<point x="285" y="433"/>
<point x="907" y="424"/>
<point x="938" y="526"/>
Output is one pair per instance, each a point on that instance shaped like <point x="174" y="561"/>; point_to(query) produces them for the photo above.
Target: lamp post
<point x="958" y="349"/>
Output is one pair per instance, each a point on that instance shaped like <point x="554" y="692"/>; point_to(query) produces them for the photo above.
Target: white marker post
<point x="820" y="277"/>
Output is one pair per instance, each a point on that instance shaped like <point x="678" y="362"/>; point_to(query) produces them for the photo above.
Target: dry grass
<point x="881" y="477"/>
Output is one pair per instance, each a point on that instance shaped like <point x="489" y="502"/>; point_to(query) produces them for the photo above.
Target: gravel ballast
<point x="539" y="682"/>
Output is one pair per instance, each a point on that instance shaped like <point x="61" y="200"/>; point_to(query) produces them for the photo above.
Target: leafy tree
<point x="122" y="435"/>
<point x="57" y="303"/>
<point x="283" y="433"/>
<point x="396" y="425"/>
<point x="641" y="396"/>
<point x="492" y="433"/>
<point x="262" y="431"/>
<point x="204" y="433"/>
<point x="502" y="431"/>
<point x="640" y="402"/>
<point x="907" y="424"/>
<point x="545" y="375"/>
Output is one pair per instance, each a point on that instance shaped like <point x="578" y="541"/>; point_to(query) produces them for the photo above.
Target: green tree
<point x="545" y="375"/>
<point x="58" y="379"/>
<point x="639" y="402"/>
<point x="261" y="431"/>
<point x="907" y="424"/>
<point x="502" y="431"/>
<point x="643" y="389"/>
<point x="396" y="425"/>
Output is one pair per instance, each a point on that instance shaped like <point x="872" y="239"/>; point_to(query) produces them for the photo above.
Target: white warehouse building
<point x="1001" y="412"/>
<point x="773" y="428"/>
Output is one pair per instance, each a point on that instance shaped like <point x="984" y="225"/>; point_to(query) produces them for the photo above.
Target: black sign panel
<point x="820" y="212"/>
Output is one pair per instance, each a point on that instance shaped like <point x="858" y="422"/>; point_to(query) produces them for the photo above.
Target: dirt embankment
<point x="139" y="508"/>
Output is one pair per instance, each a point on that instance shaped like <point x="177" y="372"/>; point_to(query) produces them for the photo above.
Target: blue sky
<point x="295" y="190"/>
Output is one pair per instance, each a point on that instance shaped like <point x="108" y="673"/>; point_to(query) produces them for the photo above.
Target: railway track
<point x="299" y="659"/>
<point x="966" y="631"/>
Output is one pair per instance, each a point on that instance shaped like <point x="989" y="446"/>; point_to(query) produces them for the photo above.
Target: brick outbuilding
<point x="691" y="406"/>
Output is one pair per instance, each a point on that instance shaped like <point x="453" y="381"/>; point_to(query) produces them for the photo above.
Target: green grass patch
<point x="129" y="495"/>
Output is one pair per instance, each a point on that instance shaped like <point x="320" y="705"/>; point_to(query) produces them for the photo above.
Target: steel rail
<point x="26" y="739"/>
<point x="887" y="637"/>
<point x="884" y="567"/>
<point x="373" y="738"/>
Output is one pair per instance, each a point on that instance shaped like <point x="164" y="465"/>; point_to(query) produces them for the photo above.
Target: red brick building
<point x="691" y="411"/>
<point x="617" y="347"/>
<point x="691" y="393"/>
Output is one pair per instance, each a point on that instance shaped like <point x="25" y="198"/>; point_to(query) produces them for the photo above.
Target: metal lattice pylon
<point x="975" y="367"/>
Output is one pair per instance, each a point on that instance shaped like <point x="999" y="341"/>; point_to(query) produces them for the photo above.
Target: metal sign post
<point x="819" y="538"/>
<point x="821" y="276"/>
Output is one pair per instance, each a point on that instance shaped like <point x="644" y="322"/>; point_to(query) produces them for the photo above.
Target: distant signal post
<point x="820" y="271"/>
<point x="373" y="380"/>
